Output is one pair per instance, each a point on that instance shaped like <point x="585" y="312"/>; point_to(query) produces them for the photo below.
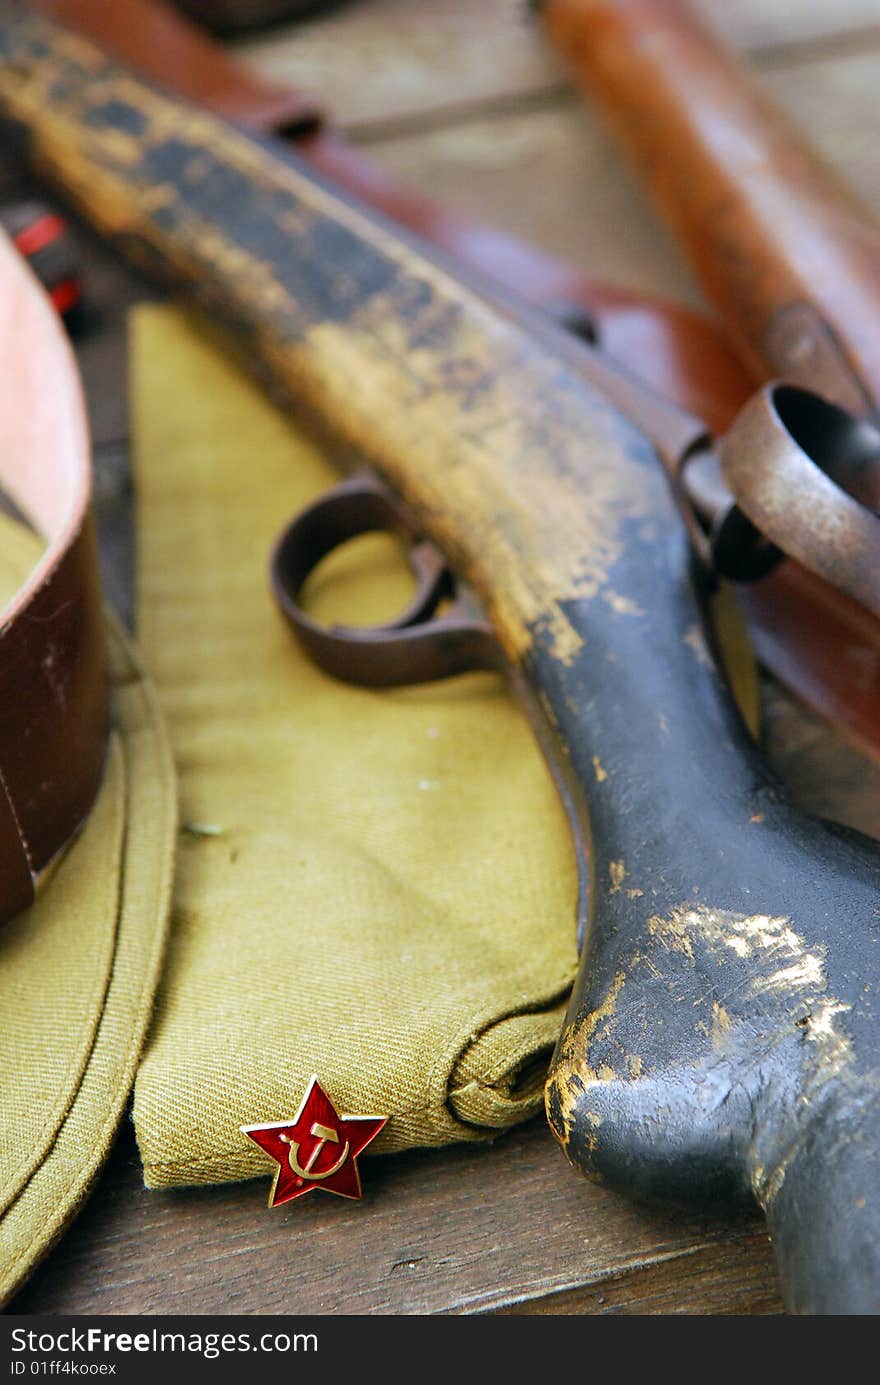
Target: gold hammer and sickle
<point x="324" y="1135"/>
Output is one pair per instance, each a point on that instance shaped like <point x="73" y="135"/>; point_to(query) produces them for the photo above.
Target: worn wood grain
<point x="384" y="64"/>
<point x="463" y="1230"/>
<point x="554" y="177"/>
<point x="544" y="166"/>
<point x="378" y="63"/>
<point x="784" y="30"/>
<point x="722" y="1279"/>
<point x="834" y="100"/>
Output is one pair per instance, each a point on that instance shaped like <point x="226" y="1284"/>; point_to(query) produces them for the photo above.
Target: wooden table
<point x="466" y="100"/>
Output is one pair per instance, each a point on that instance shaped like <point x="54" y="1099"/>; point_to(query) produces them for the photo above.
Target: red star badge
<point x="317" y="1149"/>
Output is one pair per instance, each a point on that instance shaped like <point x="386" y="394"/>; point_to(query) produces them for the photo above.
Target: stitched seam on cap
<point x="18" y="827"/>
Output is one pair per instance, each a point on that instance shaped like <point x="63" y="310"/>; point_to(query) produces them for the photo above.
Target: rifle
<point x="721" y="1042"/>
<point x="783" y="249"/>
<point x="807" y="632"/>
<point x="787" y="255"/>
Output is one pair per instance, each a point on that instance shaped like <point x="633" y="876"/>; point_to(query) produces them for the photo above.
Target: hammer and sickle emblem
<point x="324" y="1135"/>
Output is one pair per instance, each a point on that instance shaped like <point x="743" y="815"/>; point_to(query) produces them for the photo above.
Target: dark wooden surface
<point x="464" y="1230"/>
<point x="464" y="99"/>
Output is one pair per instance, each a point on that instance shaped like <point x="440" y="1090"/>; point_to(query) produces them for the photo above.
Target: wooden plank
<point x="379" y="62"/>
<point x="769" y="30"/>
<point x="730" y="1278"/>
<point x="462" y="1230"/>
<point x="382" y="64"/>
<point x="835" y="103"/>
<point x="554" y="177"/>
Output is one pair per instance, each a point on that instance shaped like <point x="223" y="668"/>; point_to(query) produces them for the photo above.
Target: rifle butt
<point x="823" y="1212"/>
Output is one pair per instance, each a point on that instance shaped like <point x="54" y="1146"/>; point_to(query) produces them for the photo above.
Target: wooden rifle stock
<point x="721" y="1040"/>
<point x="806" y="632"/>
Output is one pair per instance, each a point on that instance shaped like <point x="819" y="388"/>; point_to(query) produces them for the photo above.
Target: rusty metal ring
<point x="415" y="647"/>
<point x="807" y="475"/>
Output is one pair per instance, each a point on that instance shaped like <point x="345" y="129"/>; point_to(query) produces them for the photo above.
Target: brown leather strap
<point x="54" y="691"/>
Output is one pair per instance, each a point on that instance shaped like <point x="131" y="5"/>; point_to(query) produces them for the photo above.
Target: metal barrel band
<point x="806" y="474"/>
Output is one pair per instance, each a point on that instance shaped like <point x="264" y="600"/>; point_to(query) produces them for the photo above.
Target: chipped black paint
<point x="704" y="1057"/>
<point x="115" y="113"/>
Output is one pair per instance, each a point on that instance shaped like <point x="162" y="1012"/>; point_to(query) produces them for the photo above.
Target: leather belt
<point x="54" y="687"/>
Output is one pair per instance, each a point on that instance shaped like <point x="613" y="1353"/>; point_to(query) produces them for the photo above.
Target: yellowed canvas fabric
<point x="374" y="886"/>
<point x="78" y="970"/>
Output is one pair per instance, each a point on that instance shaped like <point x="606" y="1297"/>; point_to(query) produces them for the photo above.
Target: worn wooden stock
<point x="721" y="1041"/>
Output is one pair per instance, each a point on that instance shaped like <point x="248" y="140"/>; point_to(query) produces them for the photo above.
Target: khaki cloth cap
<point x="79" y="967"/>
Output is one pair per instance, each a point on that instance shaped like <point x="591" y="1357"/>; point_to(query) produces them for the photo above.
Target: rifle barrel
<point x="784" y="250"/>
